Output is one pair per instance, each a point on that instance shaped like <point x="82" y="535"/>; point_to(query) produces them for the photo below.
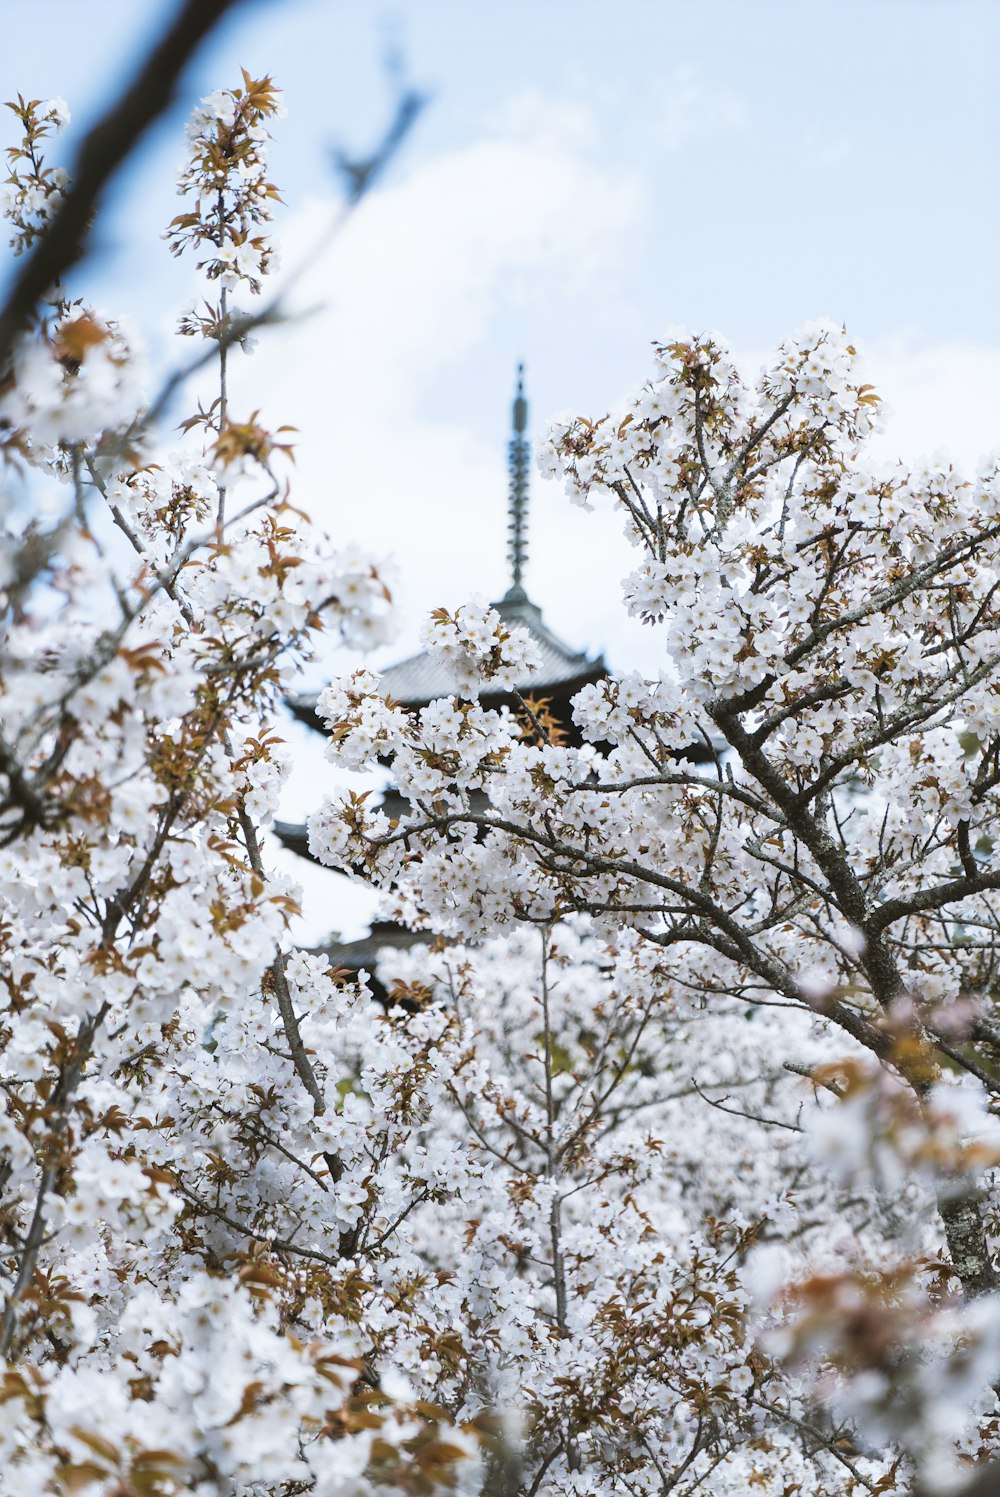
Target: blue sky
<point x="587" y="177"/>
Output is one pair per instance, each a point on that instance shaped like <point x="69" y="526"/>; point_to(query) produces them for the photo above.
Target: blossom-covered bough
<point x="832" y="633"/>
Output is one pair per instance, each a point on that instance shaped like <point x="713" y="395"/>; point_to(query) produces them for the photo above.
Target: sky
<point x="586" y="178"/>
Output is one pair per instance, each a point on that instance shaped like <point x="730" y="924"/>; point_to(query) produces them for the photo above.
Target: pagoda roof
<point x="384" y="937"/>
<point x="423" y="677"/>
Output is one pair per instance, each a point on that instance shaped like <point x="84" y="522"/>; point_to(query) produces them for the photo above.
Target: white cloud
<point x="942" y="399"/>
<point x="696" y="109"/>
<point x="495" y="229"/>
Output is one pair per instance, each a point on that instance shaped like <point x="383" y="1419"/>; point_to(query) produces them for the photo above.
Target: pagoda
<point x="414" y="682"/>
<point x="561" y="672"/>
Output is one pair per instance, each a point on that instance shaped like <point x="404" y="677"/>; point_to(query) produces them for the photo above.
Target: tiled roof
<point x="421" y="678"/>
<point x="385" y="935"/>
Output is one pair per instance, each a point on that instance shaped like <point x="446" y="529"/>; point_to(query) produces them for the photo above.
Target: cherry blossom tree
<point x="154" y="607"/>
<point x="831" y="639"/>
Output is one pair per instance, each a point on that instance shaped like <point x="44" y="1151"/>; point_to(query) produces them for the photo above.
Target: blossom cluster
<point x="478" y="647"/>
<point x="226" y="179"/>
<point x="32" y="191"/>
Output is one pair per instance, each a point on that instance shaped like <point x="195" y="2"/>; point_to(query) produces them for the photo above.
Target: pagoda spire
<point x="519" y="453"/>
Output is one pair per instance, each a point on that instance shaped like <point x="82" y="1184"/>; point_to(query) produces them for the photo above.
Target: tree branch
<point x="104" y="149"/>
